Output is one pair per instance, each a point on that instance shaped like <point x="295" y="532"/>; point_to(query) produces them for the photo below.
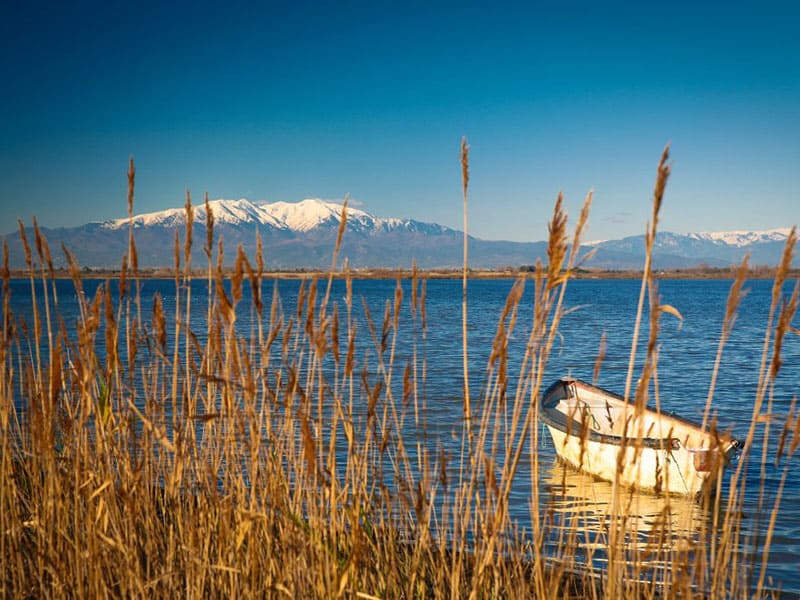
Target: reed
<point x="284" y="447"/>
<point x="464" y="319"/>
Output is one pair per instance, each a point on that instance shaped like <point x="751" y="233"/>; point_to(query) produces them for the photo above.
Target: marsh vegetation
<point x="146" y="455"/>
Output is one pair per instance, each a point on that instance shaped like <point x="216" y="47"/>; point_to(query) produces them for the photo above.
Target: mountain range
<point x="303" y="234"/>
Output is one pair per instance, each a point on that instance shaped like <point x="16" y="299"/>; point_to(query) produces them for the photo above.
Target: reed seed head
<point x="26" y="246"/>
<point x="131" y="185"/>
<point x="187" y="250"/>
<point x="209" y="248"/>
<point x="557" y="243"/>
<point x="464" y="165"/>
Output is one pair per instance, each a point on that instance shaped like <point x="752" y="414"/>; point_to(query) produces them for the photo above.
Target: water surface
<point x="597" y="308"/>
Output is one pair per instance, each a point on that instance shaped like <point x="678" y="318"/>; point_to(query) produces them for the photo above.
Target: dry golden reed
<point x="209" y="247"/>
<point x="290" y="454"/>
<point x="557" y="243"/>
<point x="464" y="317"/>
<point x="662" y="175"/>
<point x="187" y="243"/>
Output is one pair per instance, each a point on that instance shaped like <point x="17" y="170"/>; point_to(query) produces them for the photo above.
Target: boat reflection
<point x="643" y="530"/>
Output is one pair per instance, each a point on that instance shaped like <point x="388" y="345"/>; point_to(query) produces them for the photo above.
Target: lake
<point x="596" y="309"/>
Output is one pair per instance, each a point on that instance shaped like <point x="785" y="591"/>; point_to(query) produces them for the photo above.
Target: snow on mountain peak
<point x="741" y="238"/>
<point x="225" y="211"/>
<point x="295" y="216"/>
<point x="306" y="214"/>
<point x="311" y="213"/>
<point x="235" y="212"/>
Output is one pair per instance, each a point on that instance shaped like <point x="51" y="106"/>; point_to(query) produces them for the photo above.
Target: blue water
<point x="687" y="350"/>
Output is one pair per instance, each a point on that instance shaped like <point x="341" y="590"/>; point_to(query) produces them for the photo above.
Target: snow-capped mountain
<point x="675" y="250"/>
<point x="296" y="217"/>
<point x="302" y="235"/>
<point x="744" y="238"/>
<point x="295" y="235"/>
<point x="300" y="216"/>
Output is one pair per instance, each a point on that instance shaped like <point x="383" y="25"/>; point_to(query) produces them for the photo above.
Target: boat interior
<point x="575" y="406"/>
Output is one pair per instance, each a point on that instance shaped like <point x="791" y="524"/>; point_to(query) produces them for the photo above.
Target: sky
<point x="290" y="100"/>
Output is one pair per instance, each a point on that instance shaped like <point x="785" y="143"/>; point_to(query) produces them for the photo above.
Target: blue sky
<point x="283" y="101"/>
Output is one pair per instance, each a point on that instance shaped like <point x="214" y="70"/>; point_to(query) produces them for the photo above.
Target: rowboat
<point x="598" y="432"/>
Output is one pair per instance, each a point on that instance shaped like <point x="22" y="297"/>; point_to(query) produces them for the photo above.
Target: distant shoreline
<point x="693" y="273"/>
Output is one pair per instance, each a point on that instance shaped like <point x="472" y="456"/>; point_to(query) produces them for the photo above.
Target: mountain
<point x="675" y="251"/>
<point x="294" y="217"/>
<point x="303" y="235"/>
<point x="294" y="235"/>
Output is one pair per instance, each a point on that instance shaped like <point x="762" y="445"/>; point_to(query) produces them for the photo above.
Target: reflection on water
<point x="649" y="532"/>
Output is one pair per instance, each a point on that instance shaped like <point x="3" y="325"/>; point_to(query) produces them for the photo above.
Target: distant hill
<point x="677" y="251"/>
<point x="303" y="234"/>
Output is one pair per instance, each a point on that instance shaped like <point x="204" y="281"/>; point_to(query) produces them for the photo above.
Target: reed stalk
<point x="464" y="277"/>
<point x="286" y="447"/>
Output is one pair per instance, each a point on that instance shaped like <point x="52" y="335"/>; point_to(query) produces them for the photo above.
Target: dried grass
<point x="292" y="459"/>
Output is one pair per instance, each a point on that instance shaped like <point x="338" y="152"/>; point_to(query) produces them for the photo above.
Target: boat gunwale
<point x="564" y="422"/>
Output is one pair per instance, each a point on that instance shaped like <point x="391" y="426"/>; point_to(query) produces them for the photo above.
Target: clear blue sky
<point x="282" y="101"/>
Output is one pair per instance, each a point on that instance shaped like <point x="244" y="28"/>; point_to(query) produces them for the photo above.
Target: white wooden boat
<point x="598" y="432"/>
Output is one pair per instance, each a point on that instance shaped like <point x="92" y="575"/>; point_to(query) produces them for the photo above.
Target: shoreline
<point x="477" y="274"/>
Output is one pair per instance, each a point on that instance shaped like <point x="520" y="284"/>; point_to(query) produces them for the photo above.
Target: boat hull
<point x="597" y="432"/>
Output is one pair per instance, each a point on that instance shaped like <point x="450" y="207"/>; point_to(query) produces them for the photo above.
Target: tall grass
<point x="143" y="458"/>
